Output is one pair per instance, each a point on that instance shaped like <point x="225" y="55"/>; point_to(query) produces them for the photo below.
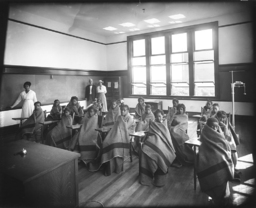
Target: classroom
<point x="127" y="103"/>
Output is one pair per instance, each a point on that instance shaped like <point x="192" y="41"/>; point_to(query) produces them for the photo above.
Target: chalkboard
<point x="47" y="89"/>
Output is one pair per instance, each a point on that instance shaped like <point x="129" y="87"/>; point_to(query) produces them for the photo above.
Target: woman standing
<point x="102" y="90"/>
<point x="29" y="97"/>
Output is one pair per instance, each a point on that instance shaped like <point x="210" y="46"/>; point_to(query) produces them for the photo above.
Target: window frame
<point x="190" y="30"/>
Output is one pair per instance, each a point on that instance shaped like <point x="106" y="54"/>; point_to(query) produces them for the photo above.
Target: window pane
<point x="203" y="39"/>
<point x="158" y="74"/>
<point x="139" y="74"/>
<point x="204" y="71"/>
<point x="179" y="42"/>
<point x="179" y="58"/>
<point x="203" y="55"/>
<point x="157" y="60"/>
<point x="139" y="61"/>
<point x="139" y="47"/>
<point x="179" y="73"/>
<point x="158" y="45"/>
<point x="204" y="89"/>
<point x="139" y="90"/>
<point x="158" y="90"/>
<point x="180" y="89"/>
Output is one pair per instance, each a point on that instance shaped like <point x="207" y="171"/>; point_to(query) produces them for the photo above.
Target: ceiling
<point x="94" y="17"/>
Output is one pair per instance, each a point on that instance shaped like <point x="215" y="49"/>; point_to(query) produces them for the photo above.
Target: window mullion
<point x="190" y="62"/>
<point x="148" y="53"/>
<point x="168" y="72"/>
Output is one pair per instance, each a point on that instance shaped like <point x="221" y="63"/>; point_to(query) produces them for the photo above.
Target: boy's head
<point x="212" y="123"/>
<point x="181" y="108"/>
<point x="56" y="102"/>
<point x="124" y="110"/>
<point x="175" y="102"/>
<point x="221" y="116"/>
<point x="67" y="112"/>
<point x="141" y="100"/>
<point x="114" y="104"/>
<point x="92" y="111"/>
<point x="209" y="104"/>
<point x="74" y="100"/>
<point x="215" y="108"/>
<point x="159" y="115"/>
<point x="37" y="105"/>
<point x="148" y="109"/>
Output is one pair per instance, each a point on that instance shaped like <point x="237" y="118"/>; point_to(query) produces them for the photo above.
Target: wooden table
<point x="195" y="143"/>
<point x="47" y="174"/>
<point x="104" y="131"/>
<point x="19" y="119"/>
<point x="139" y="135"/>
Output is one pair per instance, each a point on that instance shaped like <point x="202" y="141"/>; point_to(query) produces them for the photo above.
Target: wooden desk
<point x="19" y="119"/>
<point x="46" y="123"/>
<point x="139" y="135"/>
<point x="48" y="174"/>
<point x="104" y="131"/>
<point x="74" y="127"/>
<point x="195" y="143"/>
<point x="196" y="116"/>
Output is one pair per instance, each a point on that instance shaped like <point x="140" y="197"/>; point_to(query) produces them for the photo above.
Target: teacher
<point x="29" y="98"/>
<point x="102" y="90"/>
<point x="90" y="92"/>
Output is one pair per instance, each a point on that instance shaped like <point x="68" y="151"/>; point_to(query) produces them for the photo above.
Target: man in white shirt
<point x="90" y="92"/>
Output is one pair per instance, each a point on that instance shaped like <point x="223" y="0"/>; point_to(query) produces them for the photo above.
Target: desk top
<point x="49" y="122"/>
<point x="138" y="134"/>
<point x="104" y="129"/>
<point x="197" y="116"/>
<point x="77" y="126"/>
<point x="19" y="118"/>
<point x="39" y="159"/>
<point x="193" y="141"/>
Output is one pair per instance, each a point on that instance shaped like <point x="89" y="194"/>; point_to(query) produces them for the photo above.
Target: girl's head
<point x="37" y="105"/>
<point x="124" y="110"/>
<point x="148" y="109"/>
<point x="221" y="116"/>
<point x="56" y="102"/>
<point x="181" y="108"/>
<point x="141" y="100"/>
<point x="27" y="85"/>
<point x="215" y="108"/>
<point x="92" y="111"/>
<point x="74" y="100"/>
<point x="159" y="115"/>
<point x="114" y="104"/>
<point x="175" y="102"/>
<point x="212" y="123"/>
<point x="209" y="104"/>
<point x="67" y="112"/>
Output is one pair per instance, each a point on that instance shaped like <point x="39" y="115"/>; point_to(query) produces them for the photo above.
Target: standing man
<point x="90" y="92"/>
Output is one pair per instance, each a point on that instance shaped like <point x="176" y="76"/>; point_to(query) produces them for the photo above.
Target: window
<point x="177" y="62"/>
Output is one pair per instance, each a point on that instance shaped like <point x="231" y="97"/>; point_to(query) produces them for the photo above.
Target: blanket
<point x="143" y="125"/>
<point x="55" y="113"/>
<point x="139" y="110"/>
<point x="115" y="145"/>
<point x="60" y="135"/>
<point x="215" y="166"/>
<point x="112" y="116"/>
<point x="157" y="154"/>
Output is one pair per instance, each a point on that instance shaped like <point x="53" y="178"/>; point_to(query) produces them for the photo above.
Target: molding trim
<point x="236" y="67"/>
<point x="239" y="23"/>
<point x="11" y="69"/>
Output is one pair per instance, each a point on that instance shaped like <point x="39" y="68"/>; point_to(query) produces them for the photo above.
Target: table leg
<point x="131" y="148"/>
<point x="195" y="165"/>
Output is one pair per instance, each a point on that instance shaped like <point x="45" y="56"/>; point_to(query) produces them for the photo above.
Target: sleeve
<point x="34" y="97"/>
<point x="19" y="99"/>
<point x="105" y="89"/>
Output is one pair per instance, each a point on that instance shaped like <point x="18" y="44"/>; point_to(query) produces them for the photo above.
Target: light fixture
<point x="119" y="32"/>
<point x="177" y="16"/>
<point x="109" y="28"/>
<point x="134" y="29"/>
<point x="127" y="24"/>
<point x="152" y="21"/>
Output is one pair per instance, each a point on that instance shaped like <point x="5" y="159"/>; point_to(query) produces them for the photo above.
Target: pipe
<point x="233" y="103"/>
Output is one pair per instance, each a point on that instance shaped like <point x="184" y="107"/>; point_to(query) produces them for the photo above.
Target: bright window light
<point x="175" y="22"/>
<point x="119" y="32"/>
<point x="153" y="25"/>
<point x="177" y="16"/>
<point x="134" y="29"/>
<point x="127" y="24"/>
<point x="109" y="28"/>
<point x="152" y="21"/>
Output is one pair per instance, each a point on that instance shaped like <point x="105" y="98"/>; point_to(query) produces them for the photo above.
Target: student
<point x="56" y="111"/>
<point x="112" y="115"/>
<point x="115" y="147"/>
<point x="207" y="109"/>
<point x="60" y="135"/>
<point x="157" y="153"/>
<point x="175" y="103"/>
<point x="102" y="90"/>
<point x="140" y="108"/>
<point x="74" y="107"/>
<point x="215" y="166"/>
<point x="97" y="104"/>
<point x="215" y="109"/>
<point x="29" y="98"/>
<point x="178" y="128"/>
<point x="148" y="115"/>
<point x="32" y="124"/>
<point x="88" y="141"/>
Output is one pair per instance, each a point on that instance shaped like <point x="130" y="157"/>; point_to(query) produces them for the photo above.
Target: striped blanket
<point x="139" y="110"/>
<point x="179" y="136"/>
<point x="111" y="116"/>
<point x="215" y="166"/>
<point x="115" y="147"/>
<point x="157" y="155"/>
<point x="60" y="135"/>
